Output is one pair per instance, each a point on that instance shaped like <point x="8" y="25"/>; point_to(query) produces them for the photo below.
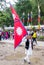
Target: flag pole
<point x="14" y="23"/>
<point x="28" y="19"/>
<point x="31" y="19"/>
<point x="38" y="16"/>
<point x="23" y="17"/>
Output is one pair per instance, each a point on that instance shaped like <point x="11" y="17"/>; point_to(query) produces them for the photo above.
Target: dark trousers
<point x="0" y="37"/>
<point x="33" y="39"/>
<point x="32" y="44"/>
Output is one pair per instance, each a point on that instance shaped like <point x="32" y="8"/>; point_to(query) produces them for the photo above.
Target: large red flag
<point x="19" y="30"/>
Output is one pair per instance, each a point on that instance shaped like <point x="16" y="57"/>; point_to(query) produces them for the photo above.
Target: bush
<point x="41" y="38"/>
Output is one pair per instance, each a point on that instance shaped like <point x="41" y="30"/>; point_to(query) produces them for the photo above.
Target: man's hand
<point x="28" y="37"/>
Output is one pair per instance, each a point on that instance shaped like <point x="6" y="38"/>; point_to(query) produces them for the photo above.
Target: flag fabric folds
<point x="19" y="29"/>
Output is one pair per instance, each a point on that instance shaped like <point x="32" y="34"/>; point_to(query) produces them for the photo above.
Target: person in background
<point x="0" y="35"/>
<point x="34" y="36"/>
<point x="8" y="34"/>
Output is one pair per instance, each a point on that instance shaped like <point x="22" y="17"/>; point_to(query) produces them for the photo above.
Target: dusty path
<point x="9" y="56"/>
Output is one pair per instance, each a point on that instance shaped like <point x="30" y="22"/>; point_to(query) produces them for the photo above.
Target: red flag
<point x="38" y="19"/>
<point x="19" y="30"/>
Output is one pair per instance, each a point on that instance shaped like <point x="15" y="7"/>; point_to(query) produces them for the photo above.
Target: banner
<point x="19" y="29"/>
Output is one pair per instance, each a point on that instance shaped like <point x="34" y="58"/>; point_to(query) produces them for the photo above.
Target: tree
<point x="5" y="14"/>
<point x="6" y="18"/>
<point x="23" y="6"/>
<point x="28" y="6"/>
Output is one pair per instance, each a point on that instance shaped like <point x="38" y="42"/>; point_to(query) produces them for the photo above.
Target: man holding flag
<point x="19" y="30"/>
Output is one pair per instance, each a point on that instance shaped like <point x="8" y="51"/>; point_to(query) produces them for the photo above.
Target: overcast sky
<point x="12" y="1"/>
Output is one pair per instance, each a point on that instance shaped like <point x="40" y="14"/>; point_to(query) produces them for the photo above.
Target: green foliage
<point x="23" y="6"/>
<point x="6" y="18"/>
<point x="28" y="6"/>
<point x="41" y="38"/>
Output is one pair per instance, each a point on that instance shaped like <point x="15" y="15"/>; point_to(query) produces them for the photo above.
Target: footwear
<point x="29" y="62"/>
<point x="24" y="60"/>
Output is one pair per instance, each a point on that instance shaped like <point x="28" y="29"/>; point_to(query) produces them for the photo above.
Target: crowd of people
<point x="6" y="35"/>
<point x="30" y="39"/>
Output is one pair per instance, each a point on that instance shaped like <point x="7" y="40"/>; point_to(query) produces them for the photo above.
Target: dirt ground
<point x="11" y="56"/>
